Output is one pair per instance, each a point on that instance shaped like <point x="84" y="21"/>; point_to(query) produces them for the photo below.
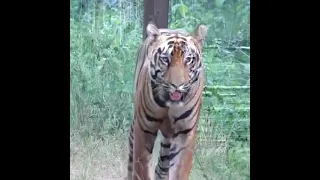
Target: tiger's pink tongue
<point x="175" y="96"/>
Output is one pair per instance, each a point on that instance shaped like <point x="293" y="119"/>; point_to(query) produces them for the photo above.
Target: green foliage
<point x="103" y="42"/>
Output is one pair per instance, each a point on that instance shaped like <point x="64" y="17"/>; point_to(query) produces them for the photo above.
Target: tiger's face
<point x="175" y="62"/>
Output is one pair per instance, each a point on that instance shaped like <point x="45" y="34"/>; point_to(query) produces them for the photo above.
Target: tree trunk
<point x="156" y="11"/>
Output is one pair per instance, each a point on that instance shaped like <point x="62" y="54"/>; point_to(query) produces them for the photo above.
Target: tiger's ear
<point x="200" y="33"/>
<point x="152" y="30"/>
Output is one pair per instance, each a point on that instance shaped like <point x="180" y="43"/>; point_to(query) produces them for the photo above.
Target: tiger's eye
<point x="165" y="59"/>
<point x="190" y="60"/>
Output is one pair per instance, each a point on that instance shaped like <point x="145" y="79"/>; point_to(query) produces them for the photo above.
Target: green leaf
<point x="183" y="10"/>
<point x="219" y="3"/>
<point x="239" y="7"/>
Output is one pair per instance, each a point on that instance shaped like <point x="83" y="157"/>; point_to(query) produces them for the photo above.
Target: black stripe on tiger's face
<point x="174" y="67"/>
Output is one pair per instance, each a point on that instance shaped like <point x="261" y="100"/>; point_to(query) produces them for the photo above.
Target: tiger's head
<point x="175" y="61"/>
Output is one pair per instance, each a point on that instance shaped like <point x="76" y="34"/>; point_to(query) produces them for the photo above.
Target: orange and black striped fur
<point x="168" y="85"/>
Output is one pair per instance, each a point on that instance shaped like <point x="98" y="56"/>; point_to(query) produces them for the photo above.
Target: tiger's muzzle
<point x="175" y="96"/>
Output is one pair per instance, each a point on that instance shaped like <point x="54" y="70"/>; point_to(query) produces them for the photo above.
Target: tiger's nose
<point x="177" y="86"/>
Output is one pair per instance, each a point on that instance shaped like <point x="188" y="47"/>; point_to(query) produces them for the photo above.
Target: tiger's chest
<point x="176" y="120"/>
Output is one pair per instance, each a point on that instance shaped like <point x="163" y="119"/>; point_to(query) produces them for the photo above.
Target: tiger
<point x="167" y="95"/>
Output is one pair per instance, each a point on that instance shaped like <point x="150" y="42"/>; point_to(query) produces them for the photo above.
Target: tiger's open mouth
<point x="175" y="96"/>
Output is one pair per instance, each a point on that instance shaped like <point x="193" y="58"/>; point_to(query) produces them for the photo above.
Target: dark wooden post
<point x="156" y="11"/>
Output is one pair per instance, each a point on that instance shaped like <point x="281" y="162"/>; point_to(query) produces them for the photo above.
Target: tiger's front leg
<point x="163" y="165"/>
<point x="181" y="155"/>
<point x="143" y="143"/>
<point x="182" y="147"/>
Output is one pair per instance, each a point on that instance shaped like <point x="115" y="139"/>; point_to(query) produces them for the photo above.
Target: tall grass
<point x="103" y="42"/>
